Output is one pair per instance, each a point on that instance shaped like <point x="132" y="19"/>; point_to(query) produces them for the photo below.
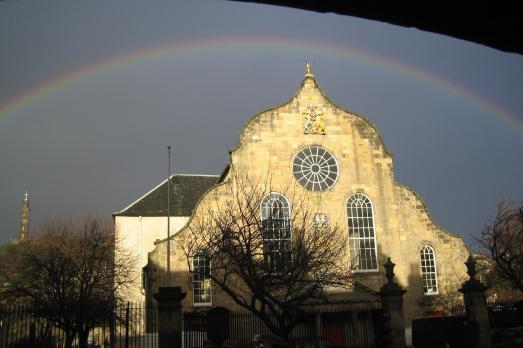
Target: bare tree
<point x="270" y="259"/>
<point x="502" y="239"/>
<point x="450" y="280"/>
<point x="68" y="274"/>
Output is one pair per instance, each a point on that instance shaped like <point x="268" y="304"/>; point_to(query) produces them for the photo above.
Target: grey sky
<point x="97" y="143"/>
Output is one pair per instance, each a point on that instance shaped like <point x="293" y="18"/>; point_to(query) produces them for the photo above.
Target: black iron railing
<point x="321" y="328"/>
<point x="124" y="326"/>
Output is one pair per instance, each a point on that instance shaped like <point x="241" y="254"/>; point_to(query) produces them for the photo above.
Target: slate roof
<point x="186" y="190"/>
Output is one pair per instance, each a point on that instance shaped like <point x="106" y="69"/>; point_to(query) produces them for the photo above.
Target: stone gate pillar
<point x="476" y="305"/>
<point x="169" y="316"/>
<point x="392" y="303"/>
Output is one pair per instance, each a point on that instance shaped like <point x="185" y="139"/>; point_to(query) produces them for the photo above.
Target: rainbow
<point x="236" y="43"/>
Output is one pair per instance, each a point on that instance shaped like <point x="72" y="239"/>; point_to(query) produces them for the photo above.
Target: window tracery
<point x="315" y="168"/>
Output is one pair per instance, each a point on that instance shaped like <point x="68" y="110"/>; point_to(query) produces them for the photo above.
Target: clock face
<point x="315" y="168"/>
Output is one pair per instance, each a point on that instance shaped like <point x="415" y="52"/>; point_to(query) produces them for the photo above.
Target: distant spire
<point x="308" y="70"/>
<point x="24" y="218"/>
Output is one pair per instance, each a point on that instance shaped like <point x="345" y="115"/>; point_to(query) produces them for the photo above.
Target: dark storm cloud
<point x="95" y="145"/>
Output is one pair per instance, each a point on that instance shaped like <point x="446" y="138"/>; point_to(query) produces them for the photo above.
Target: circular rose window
<point x="315" y="168"/>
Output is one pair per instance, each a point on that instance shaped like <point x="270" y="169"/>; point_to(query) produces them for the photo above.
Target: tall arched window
<point x="275" y="214"/>
<point x="428" y="270"/>
<point x="201" y="272"/>
<point x="362" y="238"/>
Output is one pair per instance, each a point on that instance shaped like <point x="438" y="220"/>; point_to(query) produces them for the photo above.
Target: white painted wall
<point x="137" y="234"/>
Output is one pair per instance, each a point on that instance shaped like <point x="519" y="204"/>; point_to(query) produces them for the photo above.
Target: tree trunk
<point x="83" y="336"/>
<point x="69" y="338"/>
<point x="283" y="335"/>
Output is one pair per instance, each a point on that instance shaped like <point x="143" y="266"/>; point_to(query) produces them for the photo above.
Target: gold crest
<point x="313" y="120"/>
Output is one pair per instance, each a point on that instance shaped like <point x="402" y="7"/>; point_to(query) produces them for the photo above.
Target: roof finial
<point x="26" y="196"/>
<point x="308" y="70"/>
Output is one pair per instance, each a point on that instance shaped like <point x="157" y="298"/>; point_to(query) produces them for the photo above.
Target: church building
<point x="337" y="160"/>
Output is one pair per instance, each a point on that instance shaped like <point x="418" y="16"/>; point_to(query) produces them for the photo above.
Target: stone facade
<point x="267" y="146"/>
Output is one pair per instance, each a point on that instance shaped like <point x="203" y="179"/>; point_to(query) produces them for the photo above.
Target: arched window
<point x="201" y="272"/>
<point x="362" y="238"/>
<point x="428" y="270"/>
<point x="275" y="214"/>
